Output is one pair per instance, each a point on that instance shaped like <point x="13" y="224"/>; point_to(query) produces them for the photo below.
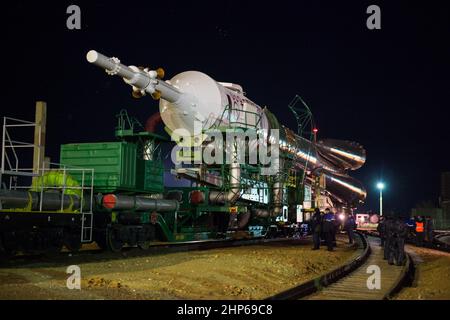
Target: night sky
<point x="387" y="89"/>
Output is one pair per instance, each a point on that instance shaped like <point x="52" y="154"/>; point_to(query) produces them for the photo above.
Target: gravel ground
<point x="431" y="279"/>
<point x="251" y="272"/>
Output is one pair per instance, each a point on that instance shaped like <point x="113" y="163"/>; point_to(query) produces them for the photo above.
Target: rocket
<point x="191" y="99"/>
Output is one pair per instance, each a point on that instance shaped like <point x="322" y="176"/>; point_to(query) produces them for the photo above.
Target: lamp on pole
<point x="380" y="186"/>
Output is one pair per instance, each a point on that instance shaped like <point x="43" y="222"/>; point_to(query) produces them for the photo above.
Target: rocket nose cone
<point x="92" y="56"/>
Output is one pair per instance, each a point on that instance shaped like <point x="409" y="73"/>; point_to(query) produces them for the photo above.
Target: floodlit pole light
<point x="315" y="130"/>
<point x="380" y="186"/>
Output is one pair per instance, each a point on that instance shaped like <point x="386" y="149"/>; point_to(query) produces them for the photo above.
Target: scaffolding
<point x="10" y="162"/>
<point x="306" y="128"/>
<point x="16" y="175"/>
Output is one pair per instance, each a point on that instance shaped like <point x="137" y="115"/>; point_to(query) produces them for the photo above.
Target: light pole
<point x="380" y="186"/>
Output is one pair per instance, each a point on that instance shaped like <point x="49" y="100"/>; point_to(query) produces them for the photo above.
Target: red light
<point x="109" y="201"/>
<point x="315" y="130"/>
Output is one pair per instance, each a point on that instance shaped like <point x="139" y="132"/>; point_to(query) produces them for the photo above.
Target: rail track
<point x="441" y="241"/>
<point x="349" y="281"/>
<point x="157" y="248"/>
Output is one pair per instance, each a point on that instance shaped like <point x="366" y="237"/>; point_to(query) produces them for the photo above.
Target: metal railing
<point x="11" y="169"/>
<point x="12" y="149"/>
<point x="83" y="191"/>
<point x="235" y="117"/>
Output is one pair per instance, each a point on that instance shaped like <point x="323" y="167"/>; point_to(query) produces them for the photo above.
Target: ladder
<point x="87" y="219"/>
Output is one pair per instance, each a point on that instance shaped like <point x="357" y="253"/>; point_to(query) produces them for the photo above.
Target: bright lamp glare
<point x="380" y="185"/>
<point x="342" y="216"/>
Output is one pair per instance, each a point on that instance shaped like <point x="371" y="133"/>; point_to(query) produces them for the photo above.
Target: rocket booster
<point x="193" y="101"/>
<point x="188" y="99"/>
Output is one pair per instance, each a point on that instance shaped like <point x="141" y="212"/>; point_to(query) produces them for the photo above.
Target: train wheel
<point x="101" y="239"/>
<point x="72" y="241"/>
<point x="73" y="245"/>
<point x="55" y="241"/>
<point x="55" y="248"/>
<point x="3" y="254"/>
<point x="2" y="249"/>
<point x="7" y="249"/>
<point x="8" y="254"/>
<point x="144" y="245"/>
<point x="113" y="240"/>
<point x="221" y="221"/>
<point x="272" y="232"/>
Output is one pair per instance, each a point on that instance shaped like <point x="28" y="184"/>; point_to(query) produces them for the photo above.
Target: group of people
<point x="394" y="231"/>
<point x="423" y="228"/>
<point x="325" y="225"/>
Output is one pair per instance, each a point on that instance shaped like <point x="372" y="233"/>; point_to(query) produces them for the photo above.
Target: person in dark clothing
<point x="420" y="231"/>
<point x="429" y="228"/>
<point x="403" y="235"/>
<point x="337" y="225"/>
<point x="381" y="228"/>
<point x="349" y="226"/>
<point x="399" y="232"/>
<point x="328" y="227"/>
<point x="411" y="224"/>
<point x="388" y="231"/>
<point x="316" y="228"/>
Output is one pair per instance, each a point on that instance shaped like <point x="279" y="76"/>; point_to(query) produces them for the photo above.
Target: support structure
<point x="381" y="202"/>
<point x="39" y="136"/>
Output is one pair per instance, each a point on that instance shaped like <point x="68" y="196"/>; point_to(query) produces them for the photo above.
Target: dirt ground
<point x="251" y="272"/>
<point x="431" y="278"/>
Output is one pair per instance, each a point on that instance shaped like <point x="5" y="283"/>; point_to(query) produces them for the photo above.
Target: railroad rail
<point x="441" y="241"/>
<point x="349" y="281"/>
<point x="158" y="248"/>
<point x="217" y="244"/>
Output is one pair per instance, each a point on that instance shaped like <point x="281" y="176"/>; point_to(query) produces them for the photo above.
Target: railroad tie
<point x="354" y="286"/>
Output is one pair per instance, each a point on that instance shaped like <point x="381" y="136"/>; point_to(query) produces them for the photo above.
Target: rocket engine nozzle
<point x="345" y="154"/>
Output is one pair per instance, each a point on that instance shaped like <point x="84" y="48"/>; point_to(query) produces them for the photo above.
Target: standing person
<point x="411" y="224"/>
<point x="388" y="232"/>
<point x="337" y="225"/>
<point x="316" y="228"/>
<point x="349" y="226"/>
<point x="381" y="228"/>
<point x="401" y="230"/>
<point x="328" y="228"/>
<point x="420" y="231"/>
<point x="429" y="226"/>
<point x="335" y="222"/>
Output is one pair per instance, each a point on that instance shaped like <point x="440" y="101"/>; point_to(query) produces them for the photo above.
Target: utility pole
<point x="39" y="136"/>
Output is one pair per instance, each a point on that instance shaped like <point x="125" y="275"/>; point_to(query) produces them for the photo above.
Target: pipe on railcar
<point x="138" y="203"/>
<point x="231" y="196"/>
<point x="51" y="201"/>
